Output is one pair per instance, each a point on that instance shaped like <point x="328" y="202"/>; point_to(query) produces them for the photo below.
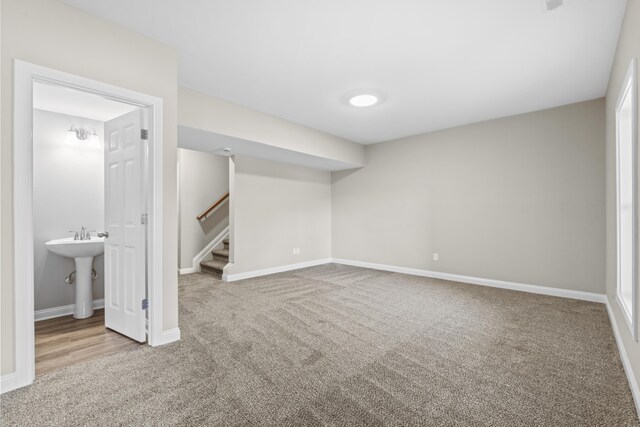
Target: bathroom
<point x="69" y="203"/>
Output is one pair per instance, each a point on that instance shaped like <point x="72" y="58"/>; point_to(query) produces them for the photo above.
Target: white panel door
<point x="124" y="251"/>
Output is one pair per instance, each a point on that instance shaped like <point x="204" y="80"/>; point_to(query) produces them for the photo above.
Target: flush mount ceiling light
<point x="82" y="133"/>
<point x="363" y="98"/>
<point x="551" y="5"/>
<point x="223" y="151"/>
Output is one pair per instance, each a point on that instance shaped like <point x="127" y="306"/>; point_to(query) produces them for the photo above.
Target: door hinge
<point x="144" y="134"/>
<point x="145" y="304"/>
<point x="144" y="219"/>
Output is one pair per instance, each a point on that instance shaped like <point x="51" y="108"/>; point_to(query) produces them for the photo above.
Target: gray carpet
<point x="336" y="345"/>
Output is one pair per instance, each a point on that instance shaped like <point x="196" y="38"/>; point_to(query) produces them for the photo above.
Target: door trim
<point x="24" y="76"/>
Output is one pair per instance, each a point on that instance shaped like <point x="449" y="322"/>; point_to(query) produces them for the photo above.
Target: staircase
<point x="220" y="259"/>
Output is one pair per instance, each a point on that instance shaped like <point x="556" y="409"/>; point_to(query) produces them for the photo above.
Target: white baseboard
<point x="273" y="270"/>
<point x="523" y="287"/>
<point x="167" y="337"/>
<point x="189" y="270"/>
<point x="633" y="384"/>
<point x="9" y="382"/>
<point x="65" y="310"/>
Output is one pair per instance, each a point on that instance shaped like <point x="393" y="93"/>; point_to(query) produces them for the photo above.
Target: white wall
<point x="203" y="179"/>
<point x="54" y="35"/>
<point x="519" y="199"/>
<point x="277" y="208"/>
<point x="628" y="47"/>
<point x="68" y="192"/>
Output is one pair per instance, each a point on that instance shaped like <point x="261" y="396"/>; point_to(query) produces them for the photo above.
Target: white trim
<point x="155" y="237"/>
<point x="523" y="287"/>
<point x="24" y="350"/>
<point x="64" y="310"/>
<point x="24" y="76"/>
<point x="633" y="384"/>
<point x="232" y="207"/>
<point x="167" y="337"/>
<point x="205" y="252"/>
<point x="9" y="382"/>
<point x="273" y="270"/>
<point x="629" y="89"/>
<point x="190" y="270"/>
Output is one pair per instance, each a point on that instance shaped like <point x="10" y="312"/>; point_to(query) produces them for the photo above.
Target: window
<point x="626" y="171"/>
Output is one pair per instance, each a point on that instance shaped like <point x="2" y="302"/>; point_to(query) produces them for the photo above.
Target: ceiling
<point x="438" y="64"/>
<point x="64" y="100"/>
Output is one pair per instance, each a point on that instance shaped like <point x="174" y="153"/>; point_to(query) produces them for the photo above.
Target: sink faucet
<point x="83" y="235"/>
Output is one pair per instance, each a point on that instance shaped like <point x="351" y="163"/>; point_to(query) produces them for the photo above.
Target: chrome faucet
<point x="83" y="235"/>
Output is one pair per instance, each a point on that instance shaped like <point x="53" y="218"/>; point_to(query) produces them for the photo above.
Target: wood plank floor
<point x="65" y="341"/>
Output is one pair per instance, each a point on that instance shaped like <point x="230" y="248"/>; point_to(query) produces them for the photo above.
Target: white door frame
<point x="25" y="74"/>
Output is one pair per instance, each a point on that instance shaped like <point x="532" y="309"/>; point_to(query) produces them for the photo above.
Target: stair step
<point x="221" y="253"/>
<point x="226" y="243"/>
<point x="214" y="266"/>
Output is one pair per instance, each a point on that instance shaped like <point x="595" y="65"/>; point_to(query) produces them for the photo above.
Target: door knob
<point x="105" y="234"/>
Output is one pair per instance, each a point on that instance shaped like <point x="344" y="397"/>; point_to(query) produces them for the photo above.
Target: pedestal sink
<point x="83" y="251"/>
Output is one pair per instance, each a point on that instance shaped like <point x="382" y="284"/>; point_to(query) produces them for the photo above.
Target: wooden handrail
<point x="220" y="201"/>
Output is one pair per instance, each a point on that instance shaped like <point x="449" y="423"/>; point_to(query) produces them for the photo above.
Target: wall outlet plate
<point x="436" y="257"/>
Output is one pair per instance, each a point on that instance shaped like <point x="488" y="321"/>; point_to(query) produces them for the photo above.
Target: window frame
<point x="629" y="89"/>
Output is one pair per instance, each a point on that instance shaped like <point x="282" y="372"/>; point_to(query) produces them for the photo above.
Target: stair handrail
<point x="218" y="202"/>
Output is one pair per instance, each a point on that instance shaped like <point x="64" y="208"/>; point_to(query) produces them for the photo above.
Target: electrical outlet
<point x="296" y="251"/>
<point x="436" y="257"/>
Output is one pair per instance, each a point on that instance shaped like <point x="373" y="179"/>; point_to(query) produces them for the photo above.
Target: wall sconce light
<point x="82" y="133"/>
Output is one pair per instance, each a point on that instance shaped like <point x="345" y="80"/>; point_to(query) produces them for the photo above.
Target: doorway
<point x="75" y="320"/>
<point x="141" y="269"/>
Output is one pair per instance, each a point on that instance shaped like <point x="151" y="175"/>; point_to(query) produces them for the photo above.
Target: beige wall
<point x="519" y="199"/>
<point x="204" y="178"/>
<point x="207" y="113"/>
<point x="628" y="48"/>
<point x="277" y="208"/>
<point x="51" y="34"/>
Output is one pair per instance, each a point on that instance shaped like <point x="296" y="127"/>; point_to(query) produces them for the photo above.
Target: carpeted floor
<point x="336" y="345"/>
